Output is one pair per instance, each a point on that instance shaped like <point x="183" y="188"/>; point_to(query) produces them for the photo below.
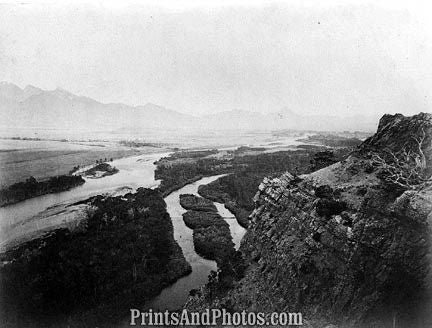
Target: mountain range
<point x="33" y="107"/>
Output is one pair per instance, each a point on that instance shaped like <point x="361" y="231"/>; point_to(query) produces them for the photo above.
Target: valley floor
<point x="21" y="159"/>
<point x="238" y="172"/>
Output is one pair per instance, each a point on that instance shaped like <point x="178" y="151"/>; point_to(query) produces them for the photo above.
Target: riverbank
<point x="175" y="296"/>
<point x="52" y="211"/>
<point x="211" y="234"/>
<point x="20" y="159"/>
<point x="243" y="170"/>
<point x="213" y="240"/>
<point x="137" y="171"/>
<point x="118" y="258"/>
<point x="32" y="217"/>
<point x="32" y="188"/>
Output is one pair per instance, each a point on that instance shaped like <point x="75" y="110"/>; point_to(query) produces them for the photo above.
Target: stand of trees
<point x="121" y="256"/>
<point x="32" y="188"/>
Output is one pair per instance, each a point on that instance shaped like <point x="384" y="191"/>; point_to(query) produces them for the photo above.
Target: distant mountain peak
<point x="62" y="91"/>
<point x="152" y="105"/>
<point x="10" y="90"/>
<point x="33" y="106"/>
<point x="32" y="87"/>
<point x="59" y="92"/>
<point x="6" y="83"/>
<point x="236" y="111"/>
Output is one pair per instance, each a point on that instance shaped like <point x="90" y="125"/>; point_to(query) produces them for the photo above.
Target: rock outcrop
<point x="348" y="245"/>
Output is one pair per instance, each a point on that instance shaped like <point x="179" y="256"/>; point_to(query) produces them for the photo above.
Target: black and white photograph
<point x="204" y="163"/>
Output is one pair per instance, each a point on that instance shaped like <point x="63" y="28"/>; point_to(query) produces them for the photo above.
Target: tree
<point x="405" y="168"/>
<point x="31" y="180"/>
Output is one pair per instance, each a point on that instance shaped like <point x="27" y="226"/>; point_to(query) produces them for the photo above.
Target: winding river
<point x="30" y="218"/>
<point x="174" y="296"/>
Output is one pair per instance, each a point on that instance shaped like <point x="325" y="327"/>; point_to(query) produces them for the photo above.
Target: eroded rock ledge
<point x="346" y="245"/>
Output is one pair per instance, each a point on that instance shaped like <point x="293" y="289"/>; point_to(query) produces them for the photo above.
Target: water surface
<point x="174" y="296"/>
<point x="30" y="218"/>
<point x="36" y="215"/>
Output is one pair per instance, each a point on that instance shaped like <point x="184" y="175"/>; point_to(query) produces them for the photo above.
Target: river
<point x="30" y="218"/>
<point x="174" y="296"/>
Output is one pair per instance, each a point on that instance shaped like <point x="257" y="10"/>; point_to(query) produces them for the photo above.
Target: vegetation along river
<point x="32" y="217"/>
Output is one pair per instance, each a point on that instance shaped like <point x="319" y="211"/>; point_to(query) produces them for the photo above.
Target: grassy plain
<point x="20" y="159"/>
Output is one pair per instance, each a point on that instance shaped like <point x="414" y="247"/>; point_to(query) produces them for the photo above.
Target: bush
<point x="324" y="191"/>
<point x="328" y="207"/>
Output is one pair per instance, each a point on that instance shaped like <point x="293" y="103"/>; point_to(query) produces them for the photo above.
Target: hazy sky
<point x="201" y="57"/>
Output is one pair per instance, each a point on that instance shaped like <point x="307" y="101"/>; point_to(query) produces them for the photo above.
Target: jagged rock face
<point x="340" y="245"/>
<point x="398" y="133"/>
<point x="394" y="131"/>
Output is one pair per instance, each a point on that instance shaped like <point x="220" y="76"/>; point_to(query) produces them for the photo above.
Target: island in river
<point x="212" y="239"/>
<point x="31" y="188"/>
<point x="244" y="166"/>
<point x="244" y="169"/>
<point x="99" y="171"/>
<point x="211" y="234"/>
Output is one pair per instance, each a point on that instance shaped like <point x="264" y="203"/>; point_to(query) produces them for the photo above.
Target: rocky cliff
<point x="348" y="245"/>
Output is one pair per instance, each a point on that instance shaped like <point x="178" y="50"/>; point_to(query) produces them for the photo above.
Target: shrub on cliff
<point x="322" y="159"/>
<point x="324" y="191"/>
<point x="328" y="207"/>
